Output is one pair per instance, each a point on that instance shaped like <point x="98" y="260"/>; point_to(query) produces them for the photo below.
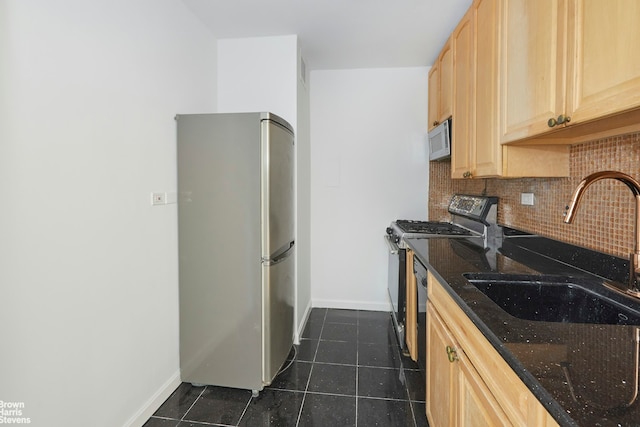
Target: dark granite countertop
<point x="584" y="374"/>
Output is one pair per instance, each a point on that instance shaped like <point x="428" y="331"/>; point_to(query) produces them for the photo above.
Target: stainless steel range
<point x="473" y="218"/>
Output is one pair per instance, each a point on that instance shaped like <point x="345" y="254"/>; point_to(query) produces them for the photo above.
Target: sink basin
<point x="556" y="299"/>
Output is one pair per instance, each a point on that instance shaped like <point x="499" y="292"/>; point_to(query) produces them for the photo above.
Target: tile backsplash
<point x="604" y="220"/>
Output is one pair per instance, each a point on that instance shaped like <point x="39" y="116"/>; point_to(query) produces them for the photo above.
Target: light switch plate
<point x="526" y="199"/>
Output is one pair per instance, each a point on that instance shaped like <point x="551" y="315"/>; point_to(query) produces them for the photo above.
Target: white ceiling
<point x="338" y="34"/>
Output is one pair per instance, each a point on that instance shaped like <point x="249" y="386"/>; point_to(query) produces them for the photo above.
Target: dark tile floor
<point x="347" y="371"/>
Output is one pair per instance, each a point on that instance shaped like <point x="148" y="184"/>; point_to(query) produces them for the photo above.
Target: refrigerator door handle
<point x="280" y="255"/>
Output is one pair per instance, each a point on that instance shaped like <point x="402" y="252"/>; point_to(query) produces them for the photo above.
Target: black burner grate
<point x="430" y="227"/>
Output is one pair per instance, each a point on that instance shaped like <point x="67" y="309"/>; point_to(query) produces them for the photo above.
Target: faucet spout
<point x="634" y="186"/>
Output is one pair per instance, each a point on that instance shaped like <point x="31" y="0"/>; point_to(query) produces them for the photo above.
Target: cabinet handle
<point x="451" y="354"/>
<point x="562" y="119"/>
<point x="436" y="123"/>
<point x="467" y="174"/>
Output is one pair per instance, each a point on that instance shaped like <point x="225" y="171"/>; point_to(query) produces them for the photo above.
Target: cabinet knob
<point x="451" y="354"/>
<point x="467" y="174"/>
<point x="436" y="123"/>
<point x="552" y="122"/>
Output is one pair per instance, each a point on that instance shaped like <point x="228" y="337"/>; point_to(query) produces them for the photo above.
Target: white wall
<point x="303" y="205"/>
<point x="368" y="167"/>
<point x="261" y="74"/>
<point x="88" y="269"/>
<point x="258" y="74"/>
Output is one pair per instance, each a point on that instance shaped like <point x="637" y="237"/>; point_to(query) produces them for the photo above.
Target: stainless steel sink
<point x="557" y="299"/>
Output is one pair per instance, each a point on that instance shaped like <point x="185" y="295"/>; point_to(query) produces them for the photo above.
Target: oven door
<point x="396" y="287"/>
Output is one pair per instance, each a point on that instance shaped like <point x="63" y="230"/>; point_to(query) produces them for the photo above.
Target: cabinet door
<point x="446" y="82"/>
<point x="411" y="327"/>
<point x="476" y="405"/>
<point x="441" y="87"/>
<point x="606" y="71"/>
<point x="434" y="95"/>
<point x="441" y="374"/>
<point x="533" y="66"/>
<point x="488" y="161"/>
<point x="462" y="135"/>
<point x="456" y="393"/>
<point x="494" y="379"/>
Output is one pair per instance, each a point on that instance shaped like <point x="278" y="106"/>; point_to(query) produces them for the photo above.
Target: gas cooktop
<point x="431" y="227"/>
<point x="471" y="216"/>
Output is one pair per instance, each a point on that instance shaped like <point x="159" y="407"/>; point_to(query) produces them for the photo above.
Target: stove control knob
<point x="389" y="231"/>
<point x="395" y="239"/>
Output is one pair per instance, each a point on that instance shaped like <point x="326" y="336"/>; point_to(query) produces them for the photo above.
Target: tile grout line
<point x="194" y="402"/>
<point x="406" y="386"/>
<point x="315" y="353"/>
<point x="357" y="361"/>
<point x="244" y="411"/>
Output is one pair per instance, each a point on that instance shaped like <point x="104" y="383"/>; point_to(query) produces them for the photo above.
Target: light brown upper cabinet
<point x="569" y="66"/>
<point x="434" y="95"/>
<point x="441" y="87"/>
<point x="476" y="151"/>
<point x="606" y="70"/>
<point x="462" y="133"/>
<point x="533" y="66"/>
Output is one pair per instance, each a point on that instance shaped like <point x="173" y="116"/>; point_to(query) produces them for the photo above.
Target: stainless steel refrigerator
<point x="236" y="246"/>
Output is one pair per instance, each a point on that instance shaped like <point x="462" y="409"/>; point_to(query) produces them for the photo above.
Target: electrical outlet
<point x="526" y="199"/>
<point x="158" y="198"/>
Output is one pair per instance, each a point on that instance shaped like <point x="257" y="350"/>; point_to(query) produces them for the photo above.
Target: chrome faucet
<point x="634" y="186"/>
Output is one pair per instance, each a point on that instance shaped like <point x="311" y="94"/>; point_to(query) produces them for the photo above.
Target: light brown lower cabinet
<point x="457" y="394"/>
<point x="468" y="382"/>
<point x="411" y="317"/>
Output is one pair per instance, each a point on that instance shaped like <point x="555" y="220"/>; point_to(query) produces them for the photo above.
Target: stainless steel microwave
<point x="440" y="141"/>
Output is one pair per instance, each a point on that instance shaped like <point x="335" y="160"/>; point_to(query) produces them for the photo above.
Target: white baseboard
<point x="152" y="405"/>
<point x="352" y="305"/>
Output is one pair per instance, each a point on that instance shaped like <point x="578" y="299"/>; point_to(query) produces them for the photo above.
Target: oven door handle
<point x="393" y="248"/>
